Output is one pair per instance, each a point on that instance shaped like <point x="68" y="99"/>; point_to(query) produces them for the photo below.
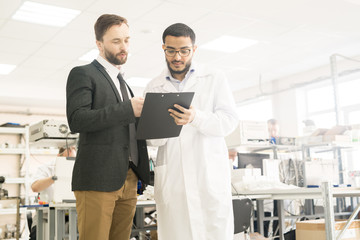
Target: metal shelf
<point x="10" y="211"/>
<point x="26" y="238"/>
<point x="12" y="150"/>
<point x="268" y="147"/>
<point x="44" y="151"/>
<point x="9" y="151"/>
<point x="14" y="180"/>
<point x="12" y="130"/>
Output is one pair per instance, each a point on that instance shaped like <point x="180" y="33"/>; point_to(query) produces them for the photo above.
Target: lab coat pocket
<point x="160" y="186"/>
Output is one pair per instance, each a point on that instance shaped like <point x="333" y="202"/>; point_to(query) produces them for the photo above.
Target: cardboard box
<point x="315" y="230"/>
<point x="249" y="236"/>
<point x="319" y="132"/>
<point x="257" y="236"/>
<point x="337" y="130"/>
<point x="337" y="138"/>
<point x="308" y="140"/>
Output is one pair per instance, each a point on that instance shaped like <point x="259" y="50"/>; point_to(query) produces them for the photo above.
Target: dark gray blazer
<point x="95" y="110"/>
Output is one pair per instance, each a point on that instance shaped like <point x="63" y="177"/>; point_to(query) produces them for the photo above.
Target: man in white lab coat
<point x="192" y="173"/>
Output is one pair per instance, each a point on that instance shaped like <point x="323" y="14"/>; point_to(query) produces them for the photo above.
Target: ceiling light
<point x="229" y="44"/>
<point x="6" y="68"/>
<point x="89" y="56"/>
<point x="138" y="82"/>
<point x="45" y="14"/>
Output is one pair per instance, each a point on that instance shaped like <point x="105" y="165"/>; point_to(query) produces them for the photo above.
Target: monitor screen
<point x="255" y="159"/>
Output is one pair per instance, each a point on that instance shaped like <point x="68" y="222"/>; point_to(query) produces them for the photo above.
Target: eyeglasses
<point x="182" y="52"/>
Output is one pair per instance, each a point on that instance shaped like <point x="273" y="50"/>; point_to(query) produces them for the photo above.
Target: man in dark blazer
<point x="109" y="160"/>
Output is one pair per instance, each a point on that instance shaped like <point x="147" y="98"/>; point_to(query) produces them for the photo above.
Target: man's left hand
<point x="184" y="118"/>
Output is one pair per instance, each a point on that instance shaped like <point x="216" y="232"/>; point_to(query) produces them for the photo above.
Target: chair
<point x="242" y="209"/>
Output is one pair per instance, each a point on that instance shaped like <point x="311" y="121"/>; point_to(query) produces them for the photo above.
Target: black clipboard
<point x="155" y="121"/>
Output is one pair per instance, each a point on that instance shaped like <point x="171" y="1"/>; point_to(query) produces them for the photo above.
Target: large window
<point x="354" y="117"/>
<point x="320" y="99"/>
<point x="321" y="107"/>
<point x="349" y="93"/>
<point x="260" y="110"/>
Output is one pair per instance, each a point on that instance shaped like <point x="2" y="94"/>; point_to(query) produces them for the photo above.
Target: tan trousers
<point x="107" y="215"/>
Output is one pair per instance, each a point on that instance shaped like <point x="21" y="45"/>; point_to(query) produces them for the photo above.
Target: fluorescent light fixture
<point x="229" y="44"/>
<point x="89" y="56"/>
<point x="138" y="81"/>
<point x="6" y="68"/>
<point x="45" y="14"/>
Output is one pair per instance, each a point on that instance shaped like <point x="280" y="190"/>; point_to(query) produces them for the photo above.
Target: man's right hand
<point x="137" y="104"/>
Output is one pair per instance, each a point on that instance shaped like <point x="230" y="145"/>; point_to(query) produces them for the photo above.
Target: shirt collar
<point x="110" y="69"/>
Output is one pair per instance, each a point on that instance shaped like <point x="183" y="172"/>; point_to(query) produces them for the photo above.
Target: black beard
<point x="112" y="58"/>
<point x="172" y="71"/>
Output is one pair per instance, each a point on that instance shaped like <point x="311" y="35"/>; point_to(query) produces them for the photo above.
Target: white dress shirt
<point x="113" y="72"/>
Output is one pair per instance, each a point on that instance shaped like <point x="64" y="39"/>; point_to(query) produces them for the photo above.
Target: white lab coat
<point x="192" y="173"/>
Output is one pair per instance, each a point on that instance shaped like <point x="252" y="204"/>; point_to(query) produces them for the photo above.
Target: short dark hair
<point x="106" y="21"/>
<point x="61" y="151"/>
<point x="272" y="121"/>
<point x="179" y="30"/>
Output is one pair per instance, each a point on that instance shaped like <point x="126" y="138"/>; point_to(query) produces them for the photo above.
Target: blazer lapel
<point x="108" y="78"/>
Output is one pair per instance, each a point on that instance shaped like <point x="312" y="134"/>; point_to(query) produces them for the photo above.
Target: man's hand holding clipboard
<point x="182" y="116"/>
<point x="160" y="117"/>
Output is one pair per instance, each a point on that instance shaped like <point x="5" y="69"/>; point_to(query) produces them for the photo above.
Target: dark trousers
<point x="33" y="233"/>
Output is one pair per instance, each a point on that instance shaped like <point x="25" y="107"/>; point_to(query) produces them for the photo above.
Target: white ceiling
<point x="294" y="36"/>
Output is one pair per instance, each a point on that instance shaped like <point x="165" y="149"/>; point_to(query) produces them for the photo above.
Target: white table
<point x="325" y="192"/>
<point x="56" y="220"/>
